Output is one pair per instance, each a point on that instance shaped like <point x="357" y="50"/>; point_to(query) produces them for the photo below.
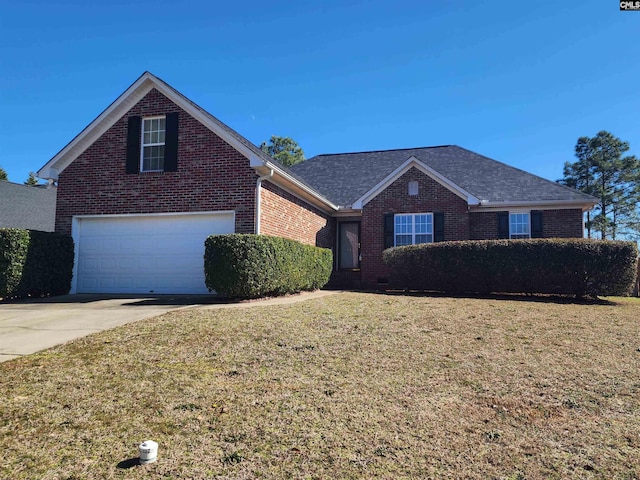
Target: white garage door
<point x="145" y="254"/>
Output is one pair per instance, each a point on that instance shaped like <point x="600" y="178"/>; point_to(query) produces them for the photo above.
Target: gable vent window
<point x="153" y="137"/>
<point x="413" y="188"/>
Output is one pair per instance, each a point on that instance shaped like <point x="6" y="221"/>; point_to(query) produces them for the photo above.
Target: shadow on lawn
<point x="129" y="463"/>
<point x="517" y="297"/>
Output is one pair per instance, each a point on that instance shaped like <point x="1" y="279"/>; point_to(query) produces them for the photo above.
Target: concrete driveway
<point x="29" y="326"/>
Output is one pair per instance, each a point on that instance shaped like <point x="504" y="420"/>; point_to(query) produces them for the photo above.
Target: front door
<point x="349" y="246"/>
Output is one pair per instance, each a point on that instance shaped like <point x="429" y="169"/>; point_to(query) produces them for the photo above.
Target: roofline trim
<point x="119" y="108"/>
<point x="405" y="167"/>
<point x="141" y="87"/>
<point x="486" y="206"/>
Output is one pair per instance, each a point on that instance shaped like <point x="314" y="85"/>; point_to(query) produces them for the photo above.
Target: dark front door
<point x="349" y="245"/>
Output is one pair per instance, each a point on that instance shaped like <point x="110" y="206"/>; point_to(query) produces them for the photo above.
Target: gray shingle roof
<point x="345" y="177"/>
<point x="22" y="206"/>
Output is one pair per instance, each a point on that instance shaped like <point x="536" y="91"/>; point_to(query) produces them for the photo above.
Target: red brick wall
<point x="285" y="215"/>
<point x="555" y="224"/>
<point x="211" y="175"/>
<point x="432" y="197"/>
<point x="563" y="223"/>
<point x="483" y="225"/>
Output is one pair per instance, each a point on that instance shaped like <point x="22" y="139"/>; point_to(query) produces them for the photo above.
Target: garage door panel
<point x="145" y="254"/>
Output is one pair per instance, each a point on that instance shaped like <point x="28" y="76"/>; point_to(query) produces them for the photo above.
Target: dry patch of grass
<point x="346" y="386"/>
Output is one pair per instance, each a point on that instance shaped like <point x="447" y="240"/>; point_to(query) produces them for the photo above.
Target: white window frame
<point x="429" y="216"/>
<point x="157" y="144"/>
<point x="520" y="235"/>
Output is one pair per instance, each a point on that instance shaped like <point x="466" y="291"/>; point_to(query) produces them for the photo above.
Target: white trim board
<point x="537" y="205"/>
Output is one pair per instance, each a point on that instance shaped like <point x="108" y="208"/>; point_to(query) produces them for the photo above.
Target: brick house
<point x="145" y="183"/>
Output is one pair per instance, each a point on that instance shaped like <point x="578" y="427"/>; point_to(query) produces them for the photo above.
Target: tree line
<point x="603" y="170"/>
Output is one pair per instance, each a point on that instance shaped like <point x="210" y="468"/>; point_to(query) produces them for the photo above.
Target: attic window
<point x="413" y="188"/>
<point x="153" y="137"/>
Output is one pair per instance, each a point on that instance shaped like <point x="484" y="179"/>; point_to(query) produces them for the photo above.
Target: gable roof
<point x="23" y="206"/>
<point x="259" y="160"/>
<point x="347" y="178"/>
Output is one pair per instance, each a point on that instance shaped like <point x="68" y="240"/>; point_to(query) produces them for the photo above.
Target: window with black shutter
<point x="152" y="144"/>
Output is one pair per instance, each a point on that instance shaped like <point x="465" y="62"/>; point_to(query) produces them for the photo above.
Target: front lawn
<point x="347" y="386"/>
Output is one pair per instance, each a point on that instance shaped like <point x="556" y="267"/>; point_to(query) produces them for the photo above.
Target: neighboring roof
<point x="346" y="177"/>
<point x="262" y="162"/>
<point x="32" y="207"/>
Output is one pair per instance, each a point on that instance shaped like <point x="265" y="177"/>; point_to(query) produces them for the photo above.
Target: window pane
<point x="402" y="240"/>
<point x="519" y="225"/>
<point x="413" y="229"/>
<point x="404" y="224"/>
<point x="153" y="131"/>
<point x="153" y="158"/>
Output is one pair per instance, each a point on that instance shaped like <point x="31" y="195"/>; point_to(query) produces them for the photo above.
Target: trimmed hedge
<point x="251" y="266"/>
<point x="34" y="263"/>
<point x="549" y="266"/>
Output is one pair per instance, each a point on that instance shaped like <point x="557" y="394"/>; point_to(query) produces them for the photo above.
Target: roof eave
<point x="120" y="107"/>
<point x="285" y="180"/>
<point x="486" y="205"/>
<point x="97" y="127"/>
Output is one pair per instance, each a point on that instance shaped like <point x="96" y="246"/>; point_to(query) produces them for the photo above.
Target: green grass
<point x="346" y="386"/>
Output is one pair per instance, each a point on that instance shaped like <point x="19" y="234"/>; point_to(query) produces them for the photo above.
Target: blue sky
<point x="515" y="81"/>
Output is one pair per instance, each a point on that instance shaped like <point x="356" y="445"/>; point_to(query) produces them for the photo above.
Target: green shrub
<point x="34" y="264"/>
<point x="550" y="266"/>
<point x="251" y="266"/>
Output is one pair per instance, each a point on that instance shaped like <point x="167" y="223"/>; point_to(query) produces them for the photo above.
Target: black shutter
<point x="388" y="230"/>
<point x="536" y="224"/>
<point x="503" y="224"/>
<point x="171" y="143"/>
<point x="438" y="227"/>
<point x="133" y="145"/>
